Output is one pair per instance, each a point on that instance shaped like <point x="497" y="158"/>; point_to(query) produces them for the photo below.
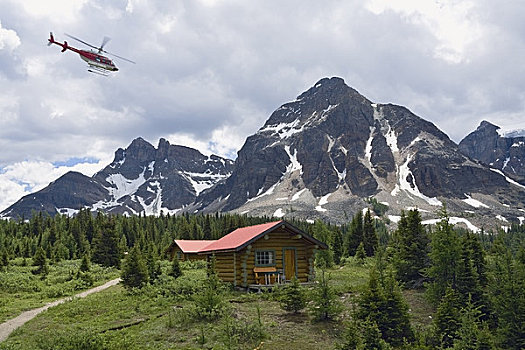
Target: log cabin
<point x="264" y="255"/>
<point x="185" y="249"/>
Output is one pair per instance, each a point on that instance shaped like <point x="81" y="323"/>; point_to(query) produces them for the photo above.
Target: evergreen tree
<point x="370" y="240"/>
<point x="153" y="264"/>
<point x="134" y="271"/>
<point x="355" y="234"/>
<point x="325" y="305"/>
<point x="175" y="271"/>
<point x="467" y="283"/>
<point x="478" y="257"/>
<point x="337" y="246"/>
<point x="360" y="254"/>
<point x="206" y="229"/>
<point x="444" y="258"/>
<point x="123" y="246"/>
<point x="372" y="336"/>
<point x="507" y="287"/>
<point x="40" y="261"/>
<point x="209" y="302"/>
<point x="352" y="336"/>
<point x="383" y="304"/>
<point x="447" y="319"/>
<point x="472" y="333"/>
<point x="4" y="258"/>
<point x="105" y="245"/>
<point x="84" y="264"/>
<point x="396" y="328"/>
<point x="292" y="297"/>
<point x="411" y="251"/>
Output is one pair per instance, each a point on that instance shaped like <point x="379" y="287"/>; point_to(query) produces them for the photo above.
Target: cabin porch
<point x="267" y="287"/>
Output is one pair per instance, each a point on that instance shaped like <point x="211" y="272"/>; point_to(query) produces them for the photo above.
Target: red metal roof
<point x="239" y="237"/>
<point x="191" y="246"/>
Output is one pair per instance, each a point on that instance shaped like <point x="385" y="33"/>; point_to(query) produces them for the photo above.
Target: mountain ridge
<point x="323" y="155"/>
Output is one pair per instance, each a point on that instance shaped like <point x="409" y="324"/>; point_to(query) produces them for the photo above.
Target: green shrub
<point x="209" y="302"/>
<point x="292" y="297"/>
<point x="85" y="340"/>
<point x="193" y="265"/>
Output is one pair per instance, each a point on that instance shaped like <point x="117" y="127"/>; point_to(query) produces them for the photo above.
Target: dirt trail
<point x="9" y="326"/>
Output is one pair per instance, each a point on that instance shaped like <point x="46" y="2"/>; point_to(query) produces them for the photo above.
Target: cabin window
<point x="264" y="258"/>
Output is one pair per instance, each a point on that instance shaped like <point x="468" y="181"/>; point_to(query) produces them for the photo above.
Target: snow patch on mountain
<point x="123" y="186"/>
<point x="501" y="218"/>
<point x="67" y="211"/>
<point x="368" y="147"/>
<point x="391" y="139"/>
<point x="279" y="213"/>
<point x="410" y="187"/>
<point x="294" y="163"/>
<point x="298" y="194"/>
<point x="453" y="220"/>
<point x="511" y="133"/>
<point x="267" y="193"/>
<point x="202" y="181"/>
<point x="322" y="201"/>
<point x="509" y="180"/>
<point x="473" y="202"/>
<point x="394" y="218"/>
<point x="283" y="130"/>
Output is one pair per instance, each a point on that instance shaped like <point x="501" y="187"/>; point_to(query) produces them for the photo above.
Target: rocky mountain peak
<point x="487" y="125"/>
<point x="140" y="150"/>
<point x="502" y="151"/>
<point x="325" y="152"/>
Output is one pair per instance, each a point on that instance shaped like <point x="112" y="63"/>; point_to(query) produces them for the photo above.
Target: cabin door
<point x="289" y="263"/>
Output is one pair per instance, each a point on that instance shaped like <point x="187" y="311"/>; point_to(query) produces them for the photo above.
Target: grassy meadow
<point x="21" y="290"/>
<point x="163" y="316"/>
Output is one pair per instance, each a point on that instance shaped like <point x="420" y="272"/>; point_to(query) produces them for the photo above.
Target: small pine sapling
<point x="292" y="297"/>
<point x="175" y="271"/>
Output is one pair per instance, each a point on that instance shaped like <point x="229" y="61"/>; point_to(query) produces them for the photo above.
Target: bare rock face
<point x="503" y="151"/>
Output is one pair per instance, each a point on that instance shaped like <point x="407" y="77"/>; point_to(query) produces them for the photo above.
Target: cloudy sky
<point x="210" y="72"/>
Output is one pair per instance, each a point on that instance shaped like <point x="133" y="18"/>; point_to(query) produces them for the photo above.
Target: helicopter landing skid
<point x="97" y="70"/>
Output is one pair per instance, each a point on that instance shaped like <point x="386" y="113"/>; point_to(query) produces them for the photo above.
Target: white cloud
<point x="453" y="23"/>
<point x="56" y="10"/>
<point x="9" y="39"/>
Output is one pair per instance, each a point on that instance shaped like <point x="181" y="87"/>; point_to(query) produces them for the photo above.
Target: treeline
<point x="63" y="237"/>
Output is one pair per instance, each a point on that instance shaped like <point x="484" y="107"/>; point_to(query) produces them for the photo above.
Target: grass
<point x="20" y="290"/>
<point x="163" y="317"/>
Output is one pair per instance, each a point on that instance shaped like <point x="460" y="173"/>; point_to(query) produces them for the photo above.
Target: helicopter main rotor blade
<point x="104" y="42"/>
<point x="82" y="41"/>
<point x="122" y="58"/>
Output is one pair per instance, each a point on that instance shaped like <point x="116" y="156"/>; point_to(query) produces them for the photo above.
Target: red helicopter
<point x="97" y="63"/>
